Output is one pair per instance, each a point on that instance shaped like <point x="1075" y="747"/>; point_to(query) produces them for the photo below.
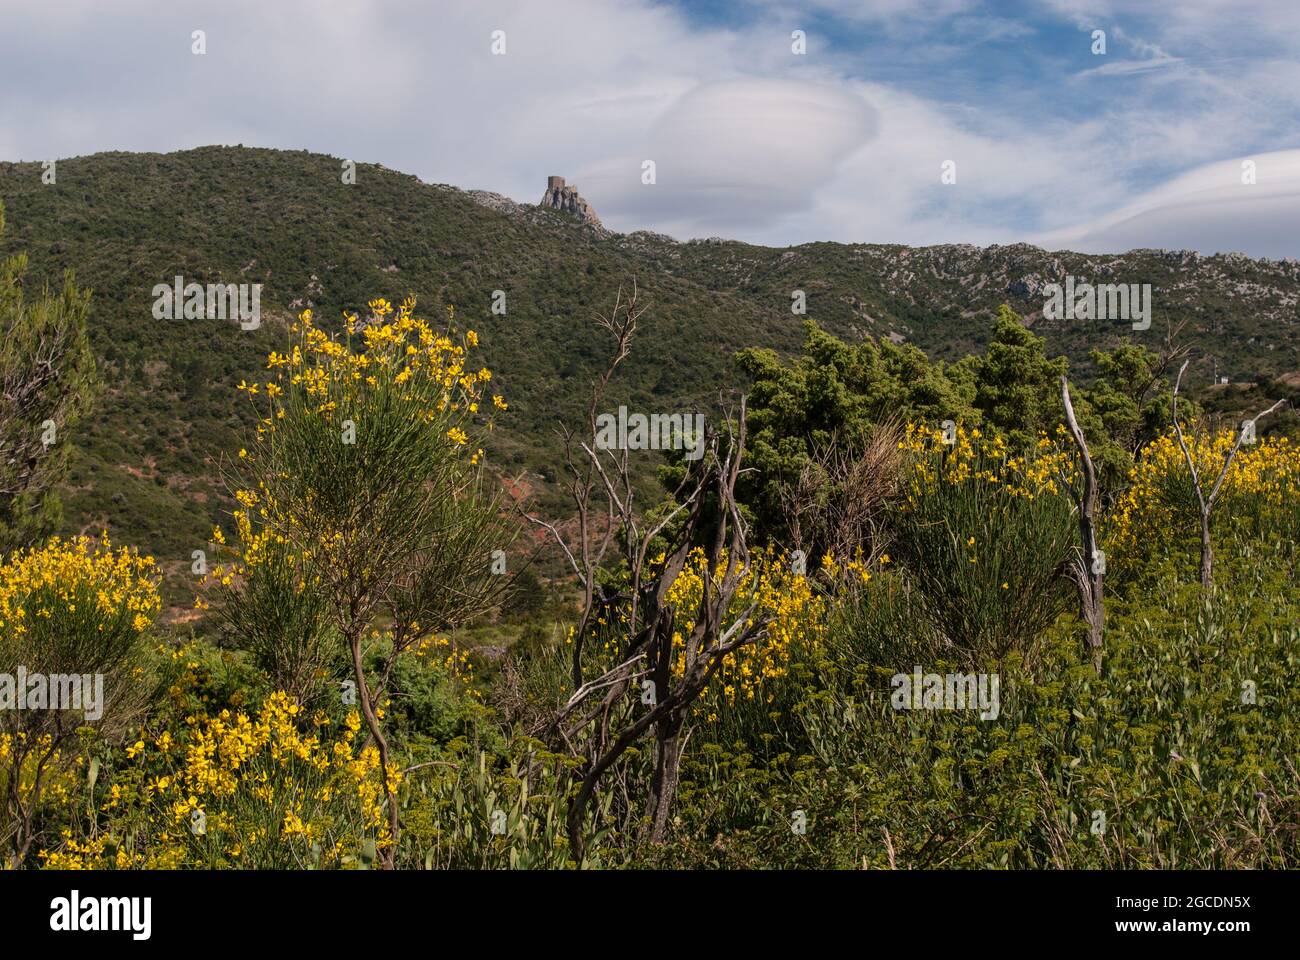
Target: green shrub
<point x="1182" y="756"/>
<point x="984" y="537"/>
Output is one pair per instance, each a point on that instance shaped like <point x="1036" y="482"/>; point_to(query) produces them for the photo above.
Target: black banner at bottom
<point x="339" y="909"/>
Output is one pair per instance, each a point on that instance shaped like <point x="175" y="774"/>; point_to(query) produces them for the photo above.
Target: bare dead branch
<point x="1206" y="503"/>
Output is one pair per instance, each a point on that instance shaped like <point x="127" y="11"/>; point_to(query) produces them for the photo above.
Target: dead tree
<point x="1089" y="566"/>
<point x="1170" y="353"/>
<point x="1205" y="503"/>
<point x="653" y="683"/>
<point x="584" y="485"/>
<point x="836" y="503"/>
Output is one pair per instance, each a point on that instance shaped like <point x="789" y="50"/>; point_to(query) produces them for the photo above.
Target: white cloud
<point x="1124" y="67"/>
<point x="750" y="141"/>
<point x="1208" y="209"/>
<point x="734" y="154"/>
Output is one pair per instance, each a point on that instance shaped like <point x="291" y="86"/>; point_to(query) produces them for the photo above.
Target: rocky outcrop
<point x="560" y="197"/>
<point x="497" y="202"/>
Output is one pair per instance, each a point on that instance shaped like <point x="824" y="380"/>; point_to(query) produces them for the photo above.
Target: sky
<point x="1183" y="134"/>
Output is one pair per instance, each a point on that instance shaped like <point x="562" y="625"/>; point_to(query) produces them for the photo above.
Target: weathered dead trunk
<point x="663" y="787"/>
<point x="1090" y="571"/>
<point x="1207" y="553"/>
<point x="1095" y="608"/>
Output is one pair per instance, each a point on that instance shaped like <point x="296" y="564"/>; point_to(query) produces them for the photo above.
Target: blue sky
<point x="1052" y="144"/>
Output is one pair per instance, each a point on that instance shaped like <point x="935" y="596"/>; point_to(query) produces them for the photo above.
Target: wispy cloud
<point x="1126" y="67"/>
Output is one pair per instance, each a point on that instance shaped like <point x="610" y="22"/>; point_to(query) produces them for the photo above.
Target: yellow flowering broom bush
<point x="747" y="684"/>
<point x="752" y="679"/>
<point x="1158" y="512"/>
<point x="55" y="597"/>
<point x="362" y="501"/>
<point x="361" y="453"/>
<point x="71" y="607"/>
<point x="984" y="534"/>
<point x="275" y="789"/>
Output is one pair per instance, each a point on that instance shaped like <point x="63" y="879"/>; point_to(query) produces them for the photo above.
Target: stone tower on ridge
<point x="560" y="197"/>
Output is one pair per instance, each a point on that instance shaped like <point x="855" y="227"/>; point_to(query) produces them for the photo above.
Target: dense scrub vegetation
<point x="385" y="677"/>
<point x="146" y="464"/>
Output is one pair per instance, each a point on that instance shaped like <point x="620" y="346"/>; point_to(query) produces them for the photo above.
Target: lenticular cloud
<point x="1208" y="209"/>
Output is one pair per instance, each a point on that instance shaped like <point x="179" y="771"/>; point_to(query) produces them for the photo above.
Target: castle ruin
<point x="566" y="198"/>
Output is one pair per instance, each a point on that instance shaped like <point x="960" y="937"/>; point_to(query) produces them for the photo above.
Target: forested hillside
<point x="148" y="465"/>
